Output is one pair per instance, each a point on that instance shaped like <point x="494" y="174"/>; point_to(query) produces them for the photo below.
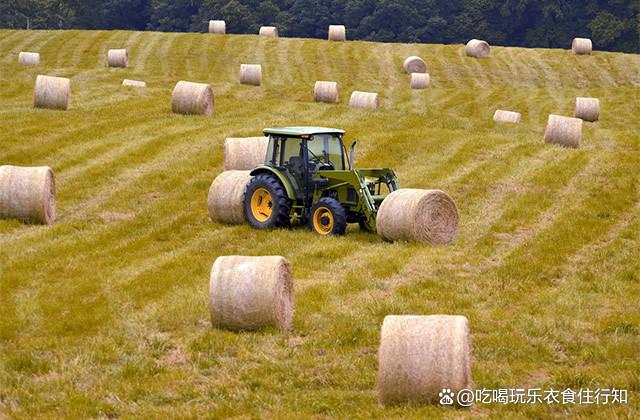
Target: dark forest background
<point x="612" y="24"/>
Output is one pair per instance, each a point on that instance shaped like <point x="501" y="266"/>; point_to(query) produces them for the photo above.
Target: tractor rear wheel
<point x="266" y="204"/>
<point x="328" y="217"/>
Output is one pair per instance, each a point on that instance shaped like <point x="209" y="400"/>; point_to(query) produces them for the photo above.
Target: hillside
<point x="105" y="312"/>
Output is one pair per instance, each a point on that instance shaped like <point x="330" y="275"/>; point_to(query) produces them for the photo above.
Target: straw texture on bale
<point x="419" y="356"/>
<point x="420" y="80"/>
<point x="249" y="293"/>
<point x="29" y="58"/>
<point x="563" y="131"/>
<point x="28" y="194"/>
<point x="226" y="196"/>
<point x="368" y="100"/>
<point x="337" y="33"/>
<point x="134" y="83"/>
<point x="244" y="153"/>
<point x="52" y="92"/>
<point x="217" y="27"/>
<point x="118" y="58"/>
<point x="418" y="215"/>
<point x="251" y="74"/>
<point x="581" y="46"/>
<point x="270" y="31"/>
<point x="507" y="116"/>
<point x="478" y="48"/>
<point x="192" y="98"/>
<point x="325" y="91"/>
<point x="588" y="109"/>
<point x="414" y="64"/>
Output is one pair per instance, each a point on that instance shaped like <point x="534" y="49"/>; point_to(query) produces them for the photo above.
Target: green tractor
<point x="308" y="178"/>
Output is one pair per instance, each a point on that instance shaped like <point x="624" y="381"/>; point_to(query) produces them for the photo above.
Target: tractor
<point x="307" y="177"/>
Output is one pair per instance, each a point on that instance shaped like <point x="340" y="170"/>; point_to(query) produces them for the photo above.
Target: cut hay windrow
<point x="507" y="116"/>
<point x="217" y="27"/>
<point x="581" y="46"/>
<point x="337" y="33"/>
<point x="414" y="64"/>
<point x="118" y="58"/>
<point x="28" y="194"/>
<point x="134" y="83"/>
<point x="420" y="80"/>
<point x="52" y="92"/>
<point x="192" y="98"/>
<point x="268" y="31"/>
<point x="244" y="153"/>
<point x="587" y="109"/>
<point x="29" y="58"/>
<point x="226" y="197"/>
<point x="478" y="49"/>
<point x="563" y="131"/>
<point x="366" y="100"/>
<point x="325" y="91"/>
<point x="251" y="74"/>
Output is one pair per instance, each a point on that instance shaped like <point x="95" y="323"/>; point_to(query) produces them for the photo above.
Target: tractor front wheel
<point x="328" y="217"/>
<point x="266" y="204"/>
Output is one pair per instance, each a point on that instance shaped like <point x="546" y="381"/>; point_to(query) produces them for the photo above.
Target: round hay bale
<point x="420" y="80"/>
<point x="367" y="100"/>
<point x="118" y="58"/>
<point x="134" y="83"/>
<point x="325" y="91"/>
<point x="244" y="153"/>
<point x="414" y="64"/>
<point x="217" y="27"/>
<point x="52" y="92"/>
<point x="250" y="74"/>
<point x="418" y="215"/>
<point x="478" y="48"/>
<point x="270" y="31"/>
<point x="507" y="116"/>
<point x="581" y="46"/>
<point x="29" y="58"/>
<point x="192" y="98"/>
<point x="419" y="356"/>
<point x="226" y="196"/>
<point x="28" y="194"/>
<point x="588" y="109"/>
<point x="337" y="33"/>
<point x="249" y="293"/>
<point x="563" y="131"/>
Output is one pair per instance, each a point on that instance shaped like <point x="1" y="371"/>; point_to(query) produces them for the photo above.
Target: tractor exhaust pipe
<point x="352" y="156"/>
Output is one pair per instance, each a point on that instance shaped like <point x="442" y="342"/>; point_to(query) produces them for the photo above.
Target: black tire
<point x="279" y="203"/>
<point x="327" y="217"/>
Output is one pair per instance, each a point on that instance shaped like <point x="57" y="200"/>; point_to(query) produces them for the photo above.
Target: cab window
<point x="326" y="149"/>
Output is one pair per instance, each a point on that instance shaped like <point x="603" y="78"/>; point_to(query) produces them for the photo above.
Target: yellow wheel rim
<point x="323" y="221"/>
<point x="261" y="205"/>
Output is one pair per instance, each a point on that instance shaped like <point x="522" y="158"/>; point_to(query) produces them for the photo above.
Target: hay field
<point x="105" y="313"/>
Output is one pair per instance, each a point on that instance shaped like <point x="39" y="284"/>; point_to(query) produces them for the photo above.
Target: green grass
<point x="107" y="316"/>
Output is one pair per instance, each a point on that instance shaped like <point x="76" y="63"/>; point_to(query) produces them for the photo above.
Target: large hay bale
<point x="478" y="48"/>
<point x="251" y="74"/>
<point x="507" y="116"/>
<point x="414" y="64"/>
<point x="28" y="194"/>
<point x="192" y="98"/>
<point x="367" y="100"/>
<point x="418" y="215"/>
<point x="337" y="33"/>
<point x="244" y="153"/>
<point x="226" y="196"/>
<point x="134" y="83"/>
<point x="581" y="46"/>
<point x="419" y="356"/>
<point x="52" y="92"/>
<point x="118" y="58"/>
<point x="420" y="80"/>
<point x="270" y="31"/>
<point x="29" y="58"/>
<point x="249" y="293"/>
<point x="217" y="27"/>
<point x="588" y="109"/>
<point x="563" y="131"/>
<point x="325" y="91"/>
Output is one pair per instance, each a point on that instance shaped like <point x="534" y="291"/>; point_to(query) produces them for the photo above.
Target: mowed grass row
<point x="105" y="312"/>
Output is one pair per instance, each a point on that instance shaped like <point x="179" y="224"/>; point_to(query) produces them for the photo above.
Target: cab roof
<point x="302" y="131"/>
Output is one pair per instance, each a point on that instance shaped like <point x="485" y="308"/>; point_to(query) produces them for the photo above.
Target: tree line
<point x="612" y="24"/>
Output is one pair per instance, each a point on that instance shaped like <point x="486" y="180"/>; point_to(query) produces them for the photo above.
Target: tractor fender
<point x="283" y="179"/>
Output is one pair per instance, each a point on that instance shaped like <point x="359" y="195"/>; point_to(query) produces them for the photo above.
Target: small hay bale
<point x="581" y="46"/>
<point x="29" y="58"/>
<point x="244" y="153"/>
<point x="588" y="109"/>
<point x="420" y="80"/>
<point x="251" y="74"/>
<point x="270" y="31"/>
<point x="337" y="33"/>
<point x="118" y="58"/>
<point x="419" y="356"/>
<point x="478" y="48"/>
<point x="134" y="83"/>
<point x="52" y="92"/>
<point x="418" y="215"/>
<point x="563" y="131"/>
<point x="28" y="194"/>
<point x="217" y="27"/>
<point x="325" y="91"/>
<point x="507" y="116"/>
<point x="414" y="64"/>
<point x="226" y="196"/>
<point x="250" y="293"/>
<point x="367" y="100"/>
<point x="192" y="98"/>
